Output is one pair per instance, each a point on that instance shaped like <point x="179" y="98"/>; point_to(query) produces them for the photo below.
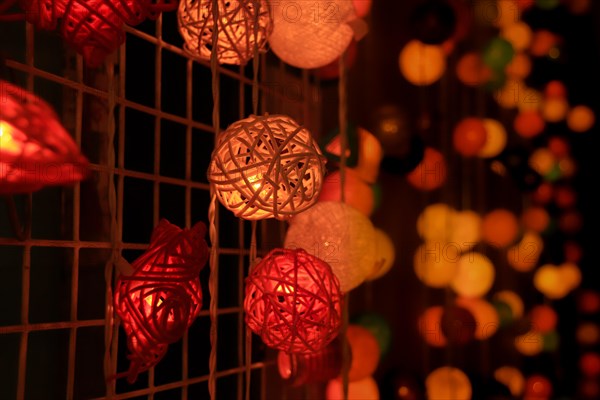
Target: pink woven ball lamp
<point x="311" y="34"/>
<point x="293" y="301"/>
<point x="266" y="167"/>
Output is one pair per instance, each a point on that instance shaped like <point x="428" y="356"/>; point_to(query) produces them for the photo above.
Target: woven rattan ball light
<point x="311" y="34"/>
<point x="94" y="28"/>
<point x="242" y="25"/>
<point x="161" y="298"/>
<point x="267" y="167"/>
<point x="293" y="301"/>
<point x="340" y="235"/>
<point x="35" y="149"/>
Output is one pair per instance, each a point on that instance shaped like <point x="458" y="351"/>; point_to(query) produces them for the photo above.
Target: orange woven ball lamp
<point x="436" y="265"/>
<point x="357" y="193"/>
<point x="580" y="118"/>
<point x="549" y="280"/>
<point x="448" y="383"/>
<point x="555" y="109"/>
<point x="266" y="167"/>
<point x="365" y="388"/>
<point x="519" y="67"/>
<point x="500" y="227"/>
<point x="474" y="275"/>
<point x="365" y="352"/>
<point x="422" y="64"/>
<point x="519" y="34"/>
<point x="542" y="41"/>
<point x="496" y="138"/>
<point x="430" y="326"/>
<point x="430" y="173"/>
<point x="535" y="218"/>
<point x="293" y="301"/>
<point x="242" y="26"/>
<point x="529" y="123"/>
<point x="524" y="255"/>
<point x="471" y="70"/>
<point x="511" y="377"/>
<point x="543" y="318"/>
<point x="469" y="136"/>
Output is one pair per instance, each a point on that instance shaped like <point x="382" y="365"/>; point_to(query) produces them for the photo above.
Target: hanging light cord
<point x="213" y="217"/>
<point x="253" y="245"/>
<point x="342" y="115"/>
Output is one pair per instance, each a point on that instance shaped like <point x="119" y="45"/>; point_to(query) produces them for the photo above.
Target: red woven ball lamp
<point x="35" y="149"/>
<point x="266" y="166"/>
<point x="293" y="301"/>
<point x="158" y="301"/>
<point x="94" y="28"/>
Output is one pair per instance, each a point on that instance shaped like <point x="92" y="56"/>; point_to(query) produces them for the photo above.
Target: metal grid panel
<point x="144" y="122"/>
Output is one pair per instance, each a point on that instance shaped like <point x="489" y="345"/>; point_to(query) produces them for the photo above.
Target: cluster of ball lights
<point x="437" y="27"/>
<point x="447" y="259"/>
<point x="479" y="137"/>
<point x="541" y="335"/>
<point x="556" y="192"/>
<point x="265" y="167"/>
<point x="506" y="60"/>
<point x="95" y="29"/>
<point x="310" y="36"/>
<point x="588" y="339"/>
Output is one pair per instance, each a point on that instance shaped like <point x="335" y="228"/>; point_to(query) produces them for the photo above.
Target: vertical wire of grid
<point x="273" y="99"/>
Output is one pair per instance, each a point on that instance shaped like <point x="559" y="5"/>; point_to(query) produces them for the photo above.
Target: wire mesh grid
<point x="144" y="122"/>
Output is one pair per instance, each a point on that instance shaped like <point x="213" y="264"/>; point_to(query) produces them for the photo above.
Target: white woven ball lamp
<point x="242" y="26"/>
<point x="339" y="235"/>
<point x="266" y="167"/>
